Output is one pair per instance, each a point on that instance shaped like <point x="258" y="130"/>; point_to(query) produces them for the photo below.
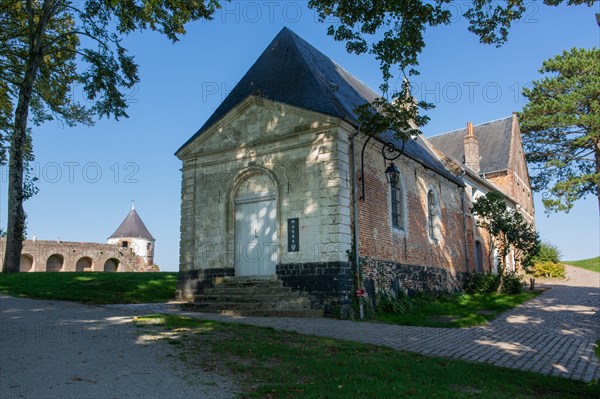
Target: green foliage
<point x="388" y="302"/>
<point x="486" y="283"/>
<point x="513" y="284"/>
<point x="549" y="269"/>
<point x="393" y="31"/>
<point x="92" y="287"/>
<point x="482" y="283"/>
<point x="592" y="264"/>
<point x="507" y="227"/>
<point x="561" y="132"/>
<point x="48" y="46"/>
<point x="548" y="253"/>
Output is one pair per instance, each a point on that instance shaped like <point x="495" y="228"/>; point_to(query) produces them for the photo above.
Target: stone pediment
<point x="256" y="120"/>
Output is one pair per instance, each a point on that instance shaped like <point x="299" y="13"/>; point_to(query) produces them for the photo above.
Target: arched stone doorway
<point x="84" y="265"/>
<point x="26" y="263"/>
<point x="55" y="263"/>
<point x="256" y="245"/>
<point x="111" y="265"/>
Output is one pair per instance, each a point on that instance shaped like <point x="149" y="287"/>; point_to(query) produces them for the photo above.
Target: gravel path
<point x="64" y="350"/>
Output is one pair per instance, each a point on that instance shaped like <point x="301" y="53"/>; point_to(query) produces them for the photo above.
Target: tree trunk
<point x="16" y="214"/>
<point x="597" y="154"/>
<point x="502" y="270"/>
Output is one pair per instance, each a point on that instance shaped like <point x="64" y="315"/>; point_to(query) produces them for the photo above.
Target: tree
<point x="46" y="46"/>
<point x="561" y="129"/>
<point x="393" y="31"/>
<point x="507" y="227"/>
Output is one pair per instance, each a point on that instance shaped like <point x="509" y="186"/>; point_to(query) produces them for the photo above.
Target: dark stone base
<point x="330" y="284"/>
<point x="409" y="279"/>
<point x="194" y="281"/>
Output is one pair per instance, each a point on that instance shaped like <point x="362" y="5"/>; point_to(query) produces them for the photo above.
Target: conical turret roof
<point x="132" y="227"/>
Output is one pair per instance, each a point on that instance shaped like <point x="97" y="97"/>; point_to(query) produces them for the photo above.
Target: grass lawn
<point x="457" y="310"/>
<point x="592" y="264"/>
<point x="276" y="364"/>
<point x="93" y="288"/>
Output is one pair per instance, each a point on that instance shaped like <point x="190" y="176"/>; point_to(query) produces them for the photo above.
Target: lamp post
<point x="389" y="152"/>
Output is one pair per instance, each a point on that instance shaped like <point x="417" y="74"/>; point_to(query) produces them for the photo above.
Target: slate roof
<point x="132" y="227"/>
<point x="292" y="71"/>
<point x="494" y="144"/>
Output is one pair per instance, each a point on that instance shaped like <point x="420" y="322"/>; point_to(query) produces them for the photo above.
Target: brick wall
<point x="381" y="246"/>
<point x="74" y="256"/>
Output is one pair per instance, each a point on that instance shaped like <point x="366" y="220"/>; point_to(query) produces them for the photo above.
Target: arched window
<point x="398" y="204"/>
<point x="433" y="218"/>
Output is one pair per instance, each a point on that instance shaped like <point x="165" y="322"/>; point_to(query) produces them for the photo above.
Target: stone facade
<point x="302" y="155"/>
<point x="53" y="256"/>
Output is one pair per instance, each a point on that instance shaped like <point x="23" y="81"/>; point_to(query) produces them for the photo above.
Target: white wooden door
<point x="255" y="235"/>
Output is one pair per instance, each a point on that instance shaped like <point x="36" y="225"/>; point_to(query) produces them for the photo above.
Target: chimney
<point x="471" y="149"/>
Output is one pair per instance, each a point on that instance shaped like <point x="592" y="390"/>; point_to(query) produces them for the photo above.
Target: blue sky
<point x="89" y="175"/>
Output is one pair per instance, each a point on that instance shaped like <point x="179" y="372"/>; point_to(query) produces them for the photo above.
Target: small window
<point x="398" y="201"/>
<point x="124" y="244"/>
<point x="149" y="246"/>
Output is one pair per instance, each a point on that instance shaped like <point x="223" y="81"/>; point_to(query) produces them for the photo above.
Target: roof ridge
<point x="474" y="126"/>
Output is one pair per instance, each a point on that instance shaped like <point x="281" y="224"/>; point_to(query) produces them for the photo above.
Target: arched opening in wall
<point x="256" y="248"/>
<point x="26" y="263"/>
<point x="111" y="265"/>
<point x="55" y="263"/>
<point x="84" y="265"/>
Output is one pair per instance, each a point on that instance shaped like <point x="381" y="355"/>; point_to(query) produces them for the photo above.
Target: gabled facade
<point x="278" y="183"/>
<point x="489" y="157"/>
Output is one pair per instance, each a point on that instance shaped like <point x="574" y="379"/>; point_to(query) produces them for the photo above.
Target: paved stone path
<point x="553" y="334"/>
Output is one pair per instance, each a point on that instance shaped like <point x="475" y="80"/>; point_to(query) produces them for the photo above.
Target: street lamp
<point x="392" y="173"/>
<point x="389" y="152"/>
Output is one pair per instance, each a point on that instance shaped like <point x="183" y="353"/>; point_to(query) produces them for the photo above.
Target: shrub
<point x="513" y="284"/>
<point x="482" y="283"/>
<point x="549" y="269"/>
<point x="548" y="253"/>
<point x="387" y="302"/>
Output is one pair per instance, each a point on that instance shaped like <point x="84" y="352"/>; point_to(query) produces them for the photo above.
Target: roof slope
<point x="292" y="71"/>
<point x="132" y="227"/>
<point x="494" y="144"/>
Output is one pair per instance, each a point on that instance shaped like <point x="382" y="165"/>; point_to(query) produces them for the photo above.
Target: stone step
<point x="268" y="298"/>
<point x="243" y="281"/>
<point x="256" y="312"/>
<point x="248" y="291"/>
<point x="250" y="305"/>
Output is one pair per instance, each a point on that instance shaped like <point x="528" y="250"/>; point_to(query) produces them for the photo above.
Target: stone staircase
<point x="252" y="296"/>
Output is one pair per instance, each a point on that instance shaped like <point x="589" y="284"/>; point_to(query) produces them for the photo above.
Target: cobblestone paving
<point x="553" y="334"/>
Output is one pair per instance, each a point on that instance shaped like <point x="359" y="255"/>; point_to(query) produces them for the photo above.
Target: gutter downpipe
<point x="462" y="204"/>
<point x="355" y="217"/>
